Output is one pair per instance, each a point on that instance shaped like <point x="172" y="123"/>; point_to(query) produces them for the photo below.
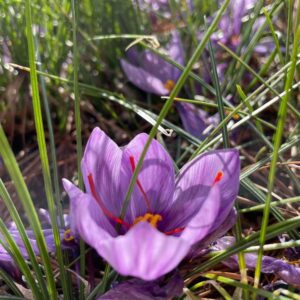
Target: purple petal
<point x="156" y="176"/>
<point x="225" y="226"/>
<point x="74" y="194"/>
<point x="143" y="252"/>
<point x="285" y="271"/>
<point x="102" y="159"/>
<point x="209" y="208"/>
<point x="9" y="266"/>
<point x="193" y="119"/>
<point x="87" y="218"/>
<point x="175" y="48"/>
<point x="161" y="68"/>
<point x="158" y="67"/>
<point x="132" y="55"/>
<point x="205" y="192"/>
<point x="238" y="9"/>
<point x="265" y="46"/>
<point x="144" y="80"/>
<point x="136" y="289"/>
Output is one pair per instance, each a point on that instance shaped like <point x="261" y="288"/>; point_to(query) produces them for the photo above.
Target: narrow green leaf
<point x="10" y="283"/>
<point x="13" y="249"/>
<point x="277" y="142"/>
<point x="78" y="129"/>
<point x="45" y="167"/>
<point x="16" y="218"/>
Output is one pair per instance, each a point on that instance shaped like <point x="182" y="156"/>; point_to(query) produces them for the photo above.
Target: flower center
<point x="235" y="40"/>
<point x="169" y="85"/>
<point x="151" y="218"/>
<point x="101" y="203"/>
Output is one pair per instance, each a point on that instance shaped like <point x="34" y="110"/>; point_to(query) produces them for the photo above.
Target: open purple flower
<point x="152" y="74"/>
<point x="167" y="214"/>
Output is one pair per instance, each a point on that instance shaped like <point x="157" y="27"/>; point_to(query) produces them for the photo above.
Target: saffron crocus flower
<point x="136" y="289"/>
<point x="230" y="31"/>
<point x="231" y="24"/>
<point x="289" y="273"/>
<point x="167" y="214"/>
<point x="152" y="74"/>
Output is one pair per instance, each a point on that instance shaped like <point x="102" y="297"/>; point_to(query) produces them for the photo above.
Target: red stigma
<point x="173" y="231"/>
<point x="218" y="177"/>
<point x="101" y="204"/>
<point x="132" y="163"/>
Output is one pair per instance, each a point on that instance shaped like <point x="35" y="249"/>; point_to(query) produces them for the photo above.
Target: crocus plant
<point x="152" y="74"/>
<point x="167" y="213"/>
<point x="230" y="31"/>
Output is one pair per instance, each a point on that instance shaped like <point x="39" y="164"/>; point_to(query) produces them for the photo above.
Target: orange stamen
<point x="132" y="163"/>
<point x="173" y="231"/>
<point x="101" y="204"/>
<point x="68" y="236"/>
<point x="169" y="85"/>
<point x="218" y="177"/>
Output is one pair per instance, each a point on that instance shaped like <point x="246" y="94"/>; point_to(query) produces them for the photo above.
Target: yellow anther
<point x="155" y="219"/>
<point x="236" y="117"/>
<point x="152" y="219"/>
<point x="68" y="236"/>
<point x="169" y="85"/>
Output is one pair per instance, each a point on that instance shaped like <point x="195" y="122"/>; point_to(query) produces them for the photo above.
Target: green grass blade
<point x="293" y="109"/>
<point x="251" y="188"/>
<point x="218" y="94"/>
<point x="238" y="227"/>
<point x="13" y="249"/>
<point x="78" y="128"/>
<point x="24" y="196"/>
<point x="10" y="283"/>
<point x="289" y="4"/>
<point x="45" y="167"/>
<point x="16" y="218"/>
<point x="247" y="287"/>
<point x="274" y="203"/>
<point x="274" y="35"/>
<point x="272" y="231"/>
<point x="51" y="139"/>
<point x="277" y="142"/>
